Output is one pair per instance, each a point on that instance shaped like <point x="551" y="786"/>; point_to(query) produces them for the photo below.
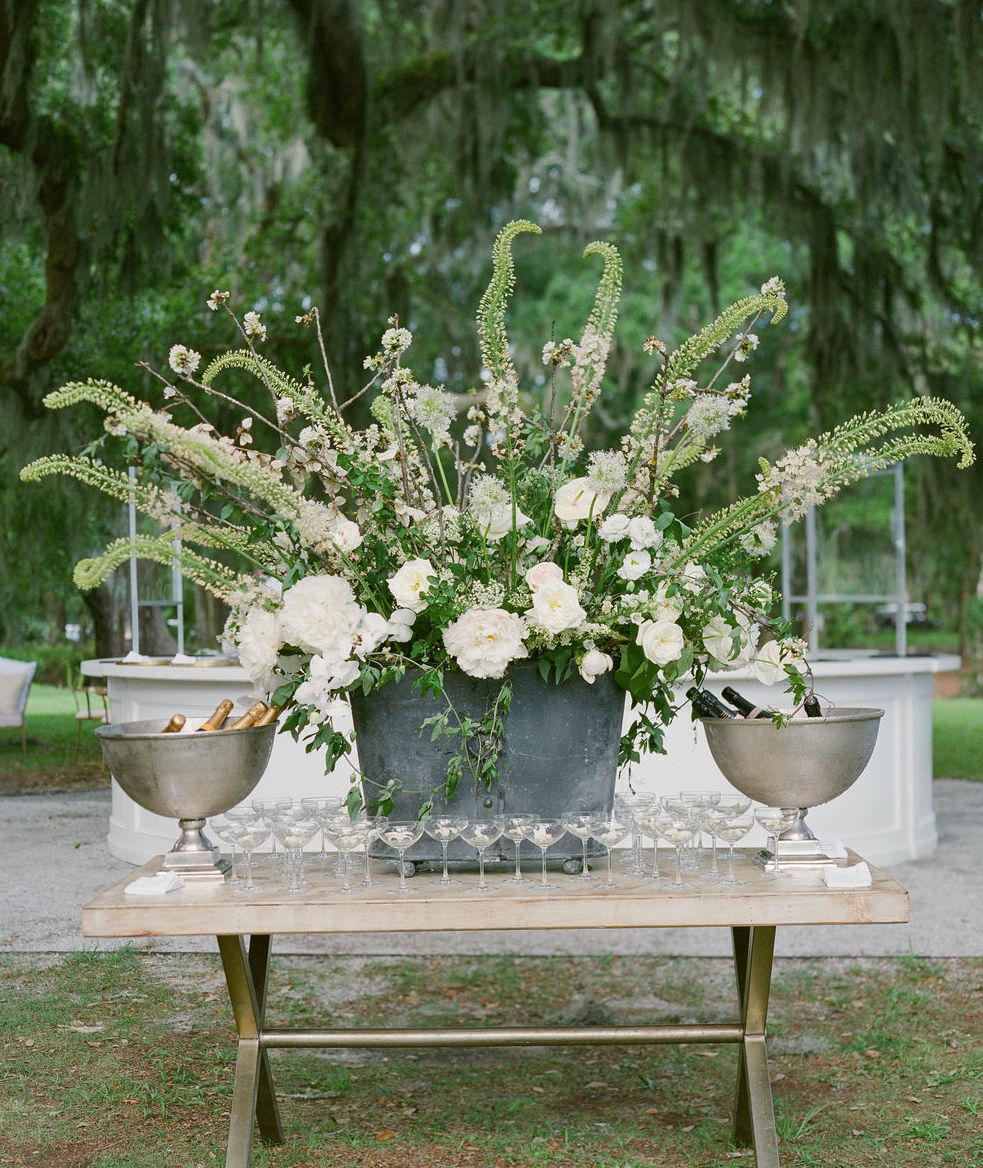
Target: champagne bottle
<point x="216" y="720"/>
<point x="741" y="703"/>
<point x="708" y="705"/>
<point x="812" y="707"/>
<point x="175" y="724"/>
<point x="249" y="718"/>
<point x="269" y="716"/>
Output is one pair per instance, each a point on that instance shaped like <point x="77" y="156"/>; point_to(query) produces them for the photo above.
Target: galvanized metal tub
<point x="559" y="753"/>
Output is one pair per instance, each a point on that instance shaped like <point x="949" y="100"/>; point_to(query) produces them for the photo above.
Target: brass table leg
<point x="754" y="1114"/>
<point x="253" y="1097"/>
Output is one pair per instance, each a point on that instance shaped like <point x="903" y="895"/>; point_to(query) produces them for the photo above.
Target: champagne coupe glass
<point x="249" y="832"/>
<point x="731" y="828"/>
<point x="443" y="829"/>
<point x="699" y="801"/>
<point x="514" y="829"/>
<point x="294" y="830"/>
<point x="335" y="819"/>
<point x="608" y="832"/>
<point x="400" y="835"/>
<point x="318" y="806"/>
<point x="650" y="821"/>
<point x="544" y="833"/>
<point x="346" y="836"/>
<point x="220" y="825"/>
<point x="269" y="809"/>
<point x="479" y="833"/>
<point x="626" y="806"/>
<point x="376" y="823"/>
<point x="725" y="807"/>
<point x="775" y="820"/>
<point x="678" y="828"/>
<point x="580" y="826"/>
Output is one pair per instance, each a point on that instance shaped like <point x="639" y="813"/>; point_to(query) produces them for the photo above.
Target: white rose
<point x="556" y="607"/>
<point x="259" y="645"/>
<point x="409" y="581"/>
<point x="320" y="615"/>
<point x="766" y="664"/>
<point x="615" y="527"/>
<point x="538" y="574"/>
<point x="642" y="532"/>
<point x="575" y="501"/>
<point x="483" y="641"/>
<point x="635" y="565"/>
<point x="594" y="664"/>
<point x="661" y="641"/>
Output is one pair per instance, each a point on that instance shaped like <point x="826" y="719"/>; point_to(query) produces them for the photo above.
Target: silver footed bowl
<point x="802" y="764"/>
<point x="189" y="775"/>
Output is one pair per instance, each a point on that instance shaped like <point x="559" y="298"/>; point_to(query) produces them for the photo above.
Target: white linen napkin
<point x="835" y="849"/>
<point x="155" y="885"/>
<point x="852" y="876"/>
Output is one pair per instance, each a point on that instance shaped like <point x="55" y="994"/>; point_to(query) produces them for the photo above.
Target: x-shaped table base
<point x="254" y="1099"/>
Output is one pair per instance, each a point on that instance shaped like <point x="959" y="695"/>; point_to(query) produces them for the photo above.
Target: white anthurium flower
<point x="497" y="523"/>
<point x="372" y="630"/>
<point x="718" y="639"/>
<point x="556" y="607"/>
<point x="576" y="500"/>
<point x="540" y="573"/>
<point x="595" y="663"/>
<point x="766" y="664"/>
<point x="635" y="565"/>
<point x="484" y="641"/>
<point x="401" y="625"/>
<point x="410" y="581"/>
<point x="661" y="641"/>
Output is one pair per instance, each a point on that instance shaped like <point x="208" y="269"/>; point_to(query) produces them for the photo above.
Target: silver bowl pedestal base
<point x="194" y="856"/>
<point x="797" y="850"/>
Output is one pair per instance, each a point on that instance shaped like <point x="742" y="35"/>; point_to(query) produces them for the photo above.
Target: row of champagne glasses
<point x="677" y="821"/>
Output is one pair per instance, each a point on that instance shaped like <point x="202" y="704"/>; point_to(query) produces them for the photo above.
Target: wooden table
<point x="243" y="924"/>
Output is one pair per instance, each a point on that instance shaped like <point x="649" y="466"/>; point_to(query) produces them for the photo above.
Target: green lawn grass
<point x="957" y="738"/>
<point x="49" y="761"/>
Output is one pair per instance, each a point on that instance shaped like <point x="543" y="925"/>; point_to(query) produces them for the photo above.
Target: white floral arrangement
<point x="433" y="542"/>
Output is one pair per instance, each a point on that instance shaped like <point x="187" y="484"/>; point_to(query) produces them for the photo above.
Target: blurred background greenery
<point x="361" y="154"/>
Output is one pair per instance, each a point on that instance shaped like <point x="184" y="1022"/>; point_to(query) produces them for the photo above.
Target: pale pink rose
<point x="538" y="574"/>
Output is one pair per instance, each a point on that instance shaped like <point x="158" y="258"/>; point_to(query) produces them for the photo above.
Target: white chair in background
<point x="15" y="684"/>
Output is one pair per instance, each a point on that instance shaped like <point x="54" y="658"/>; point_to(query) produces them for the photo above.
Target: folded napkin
<point x="182" y="659"/>
<point x="155" y="885"/>
<point x="835" y="849"/>
<point x="852" y="876"/>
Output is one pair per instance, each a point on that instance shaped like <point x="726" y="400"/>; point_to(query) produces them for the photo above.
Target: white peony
<point x="320" y="615"/>
<point x="642" y="533"/>
<point x="410" y="581"/>
<point x="483" y="641"/>
<point x="661" y="641"/>
<point x="538" y="574"/>
<point x="615" y="527"/>
<point x="635" y="565"/>
<point x="575" y="501"/>
<point x="556" y="607"/>
<point x="259" y="645"/>
<point x="766" y="664"/>
<point x="594" y="664"/>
